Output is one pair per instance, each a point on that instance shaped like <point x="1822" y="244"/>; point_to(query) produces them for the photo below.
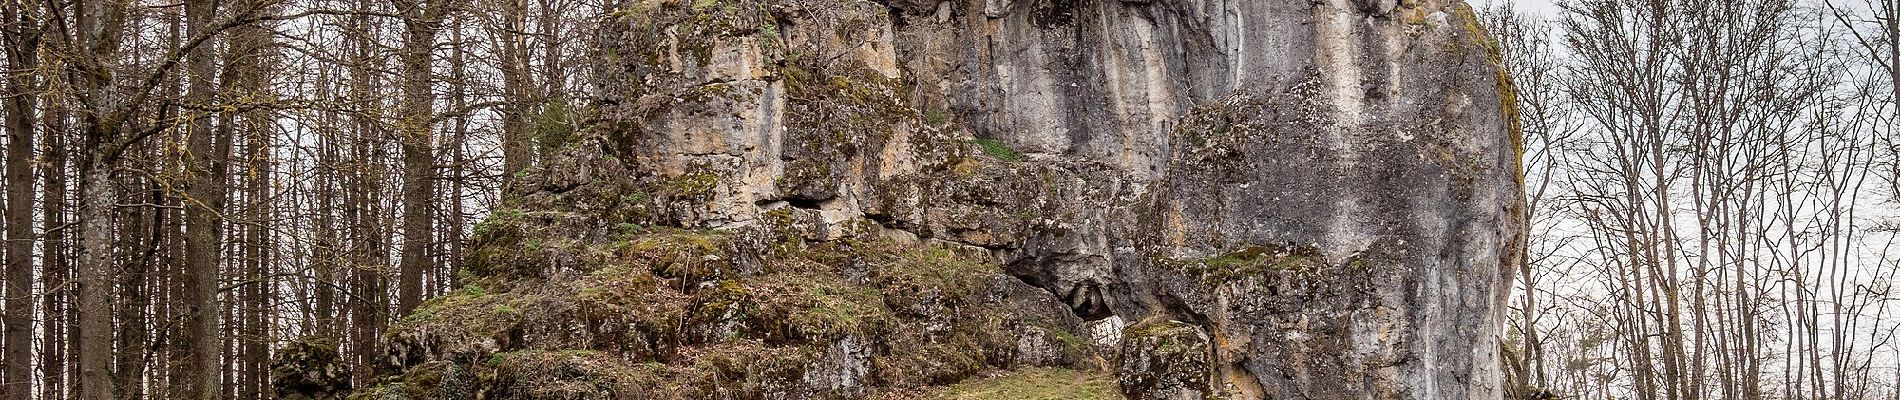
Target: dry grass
<point x="1033" y="384"/>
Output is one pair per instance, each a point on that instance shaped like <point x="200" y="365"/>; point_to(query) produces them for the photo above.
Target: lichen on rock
<point x="717" y="314"/>
<point x="796" y="199"/>
<point x="309" y="369"/>
<point x="1165" y="360"/>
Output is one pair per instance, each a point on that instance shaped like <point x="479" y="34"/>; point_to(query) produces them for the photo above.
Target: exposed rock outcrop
<point x="1296" y="199"/>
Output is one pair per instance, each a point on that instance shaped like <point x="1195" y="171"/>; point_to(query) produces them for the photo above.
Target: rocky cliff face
<point x="1280" y="199"/>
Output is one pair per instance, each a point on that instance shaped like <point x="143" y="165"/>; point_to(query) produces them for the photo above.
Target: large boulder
<point x="828" y="199"/>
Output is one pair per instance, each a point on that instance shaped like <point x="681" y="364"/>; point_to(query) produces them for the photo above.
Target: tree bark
<point x="367" y="252"/>
<point x="517" y="86"/>
<point x="17" y="347"/>
<point x="245" y="78"/>
<point x="54" y="265"/>
<point x="99" y="27"/>
<point x="421" y="22"/>
<point x="95" y="276"/>
<point x="205" y="192"/>
<point x="141" y="234"/>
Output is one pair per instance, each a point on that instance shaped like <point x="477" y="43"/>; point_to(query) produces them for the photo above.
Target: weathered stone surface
<point x="1323" y="194"/>
<point x="1165" y="360"/>
<point x="309" y="369"/>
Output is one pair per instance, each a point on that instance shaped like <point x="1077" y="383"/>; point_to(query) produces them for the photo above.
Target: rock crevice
<point x="1257" y="199"/>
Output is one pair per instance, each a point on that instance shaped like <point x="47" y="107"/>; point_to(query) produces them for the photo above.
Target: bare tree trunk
<point x="142" y="235"/>
<point x="517" y="88"/>
<point x="175" y="263"/>
<point x="421" y="20"/>
<point x="99" y="27"/>
<point x="205" y="193"/>
<point x="257" y="282"/>
<point x="456" y="220"/>
<point x="323" y="254"/>
<point x="367" y="250"/>
<point x="16" y="349"/>
<point x="95" y="275"/>
<point x="247" y="56"/>
<point x="55" y="267"/>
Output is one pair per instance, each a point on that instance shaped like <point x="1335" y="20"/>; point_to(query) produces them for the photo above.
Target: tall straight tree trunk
<point x="1888" y="16"/>
<point x="367" y="252"/>
<point x="517" y="86"/>
<point x="205" y="191"/>
<point x="367" y="263"/>
<point x="175" y="261"/>
<point x="143" y="235"/>
<point x="95" y="272"/>
<point x="421" y="22"/>
<point x="100" y="25"/>
<point x="16" y="349"/>
<point x="366" y="314"/>
<point x="323" y="253"/>
<point x="257" y="287"/>
<point x="245" y="61"/>
<point x="257" y="272"/>
<point x="458" y="140"/>
<point x="54" y="266"/>
<point x="553" y="45"/>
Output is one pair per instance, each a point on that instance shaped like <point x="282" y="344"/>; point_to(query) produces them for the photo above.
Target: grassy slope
<point x="1033" y="384"/>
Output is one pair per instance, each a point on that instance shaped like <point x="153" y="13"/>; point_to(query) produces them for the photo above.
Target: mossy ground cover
<point x="998" y="149"/>
<point x="1033" y="384"/>
<point x="1255" y="261"/>
<point x="583" y="286"/>
<point x="659" y="307"/>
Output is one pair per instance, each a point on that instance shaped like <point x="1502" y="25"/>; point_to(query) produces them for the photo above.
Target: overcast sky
<point x="1546" y="7"/>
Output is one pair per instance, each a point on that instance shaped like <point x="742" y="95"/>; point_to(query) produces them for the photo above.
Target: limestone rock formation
<point x="789" y="199"/>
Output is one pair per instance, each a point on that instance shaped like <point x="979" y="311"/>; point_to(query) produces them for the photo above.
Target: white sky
<point x="1547" y="8"/>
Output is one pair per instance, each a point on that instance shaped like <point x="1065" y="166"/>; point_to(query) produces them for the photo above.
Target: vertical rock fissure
<point x="832" y="198"/>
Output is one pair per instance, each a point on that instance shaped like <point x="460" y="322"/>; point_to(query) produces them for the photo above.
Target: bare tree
<point x="1713" y="197"/>
<point x="208" y="151"/>
<point x="22" y="43"/>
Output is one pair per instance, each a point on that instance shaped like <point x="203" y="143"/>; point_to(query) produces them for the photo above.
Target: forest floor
<point x="1023" y="384"/>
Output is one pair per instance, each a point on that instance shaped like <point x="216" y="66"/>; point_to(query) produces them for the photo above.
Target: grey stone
<point x="1319" y="204"/>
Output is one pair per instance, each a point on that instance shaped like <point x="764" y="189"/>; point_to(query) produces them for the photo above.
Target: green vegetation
<point x="694" y="184"/>
<point x="473" y="290"/>
<point x="539" y="355"/>
<point x="470" y="310"/>
<point x="942" y="264"/>
<point x="1070" y="342"/>
<point x="501" y="215"/>
<point x="769" y="31"/>
<point x="1257" y="260"/>
<point x="1155" y="328"/>
<point x="567" y="309"/>
<point x="997" y="149"/>
<point x="552" y="128"/>
<point x="821" y="307"/>
<point x="936" y="117"/>
<point x="1034" y="384"/>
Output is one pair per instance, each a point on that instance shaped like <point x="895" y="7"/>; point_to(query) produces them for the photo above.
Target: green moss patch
<point x="1034" y="384"/>
<point x="997" y="149"/>
<point x="1257" y="260"/>
<point x="1506" y="85"/>
<point x="702" y="312"/>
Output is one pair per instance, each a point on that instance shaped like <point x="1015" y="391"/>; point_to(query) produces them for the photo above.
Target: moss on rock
<point x="1033" y="384"/>
<point x="743" y="314"/>
<point x="1164" y="359"/>
<point x="309" y="369"/>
